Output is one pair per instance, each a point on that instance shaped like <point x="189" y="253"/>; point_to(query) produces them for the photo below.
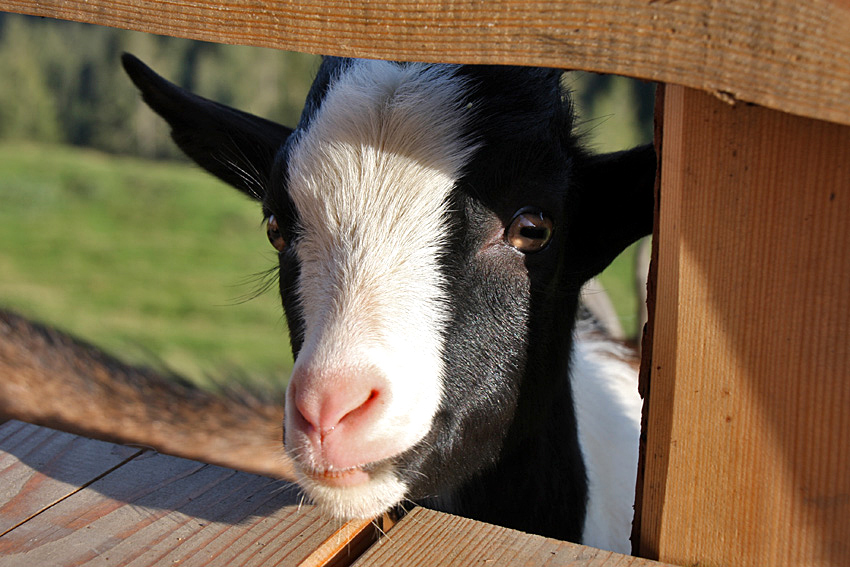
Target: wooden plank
<point x="426" y="538"/>
<point x="161" y="510"/>
<point x="647" y="333"/>
<point x="40" y="466"/>
<point x="783" y="54"/>
<point x="749" y="430"/>
<point x="346" y="544"/>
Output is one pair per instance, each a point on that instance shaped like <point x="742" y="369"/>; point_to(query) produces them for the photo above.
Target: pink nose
<point x="325" y="405"/>
<point x="335" y="409"/>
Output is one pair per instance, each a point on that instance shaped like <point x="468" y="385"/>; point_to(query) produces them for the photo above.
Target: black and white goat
<point x="434" y="227"/>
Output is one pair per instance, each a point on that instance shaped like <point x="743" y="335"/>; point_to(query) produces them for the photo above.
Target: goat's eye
<point x="273" y="232"/>
<point x="530" y="231"/>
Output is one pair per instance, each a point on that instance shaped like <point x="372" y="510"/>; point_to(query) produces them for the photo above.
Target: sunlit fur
<point x="370" y="177"/>
<point x="608" y="410"/>
<point x="370" y="500"/>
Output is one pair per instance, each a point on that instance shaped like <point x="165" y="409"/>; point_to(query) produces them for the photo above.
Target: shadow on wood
<point x="141" y="506"/>
<point x="747" y="463"/>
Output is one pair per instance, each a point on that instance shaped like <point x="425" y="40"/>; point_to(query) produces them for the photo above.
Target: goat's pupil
<point x="534" y="232"/>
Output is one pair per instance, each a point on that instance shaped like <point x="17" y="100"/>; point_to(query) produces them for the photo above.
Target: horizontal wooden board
<point x="426" y="538"/>
<point x="40" y="466"/>
<point x="150" y="510"/>
<point x="155" y="510"/>
<point x="784" y="54"/>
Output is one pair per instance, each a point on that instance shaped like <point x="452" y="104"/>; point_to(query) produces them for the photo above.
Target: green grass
<point x="150" y="262"/>
<point x="147" y="260"/>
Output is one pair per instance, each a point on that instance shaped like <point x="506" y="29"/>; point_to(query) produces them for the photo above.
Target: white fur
<point x="608" y="411"/>
<point x="363" y="501"/>
<point x="370" y="177"/>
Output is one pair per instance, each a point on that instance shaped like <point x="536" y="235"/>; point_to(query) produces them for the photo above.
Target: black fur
<point x="503" y="447"/>
<point x="235" y="146"/>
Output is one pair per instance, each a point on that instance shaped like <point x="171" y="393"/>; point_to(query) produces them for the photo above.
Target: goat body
<point x="52" y="379"/>
<point x="434" y="226"/>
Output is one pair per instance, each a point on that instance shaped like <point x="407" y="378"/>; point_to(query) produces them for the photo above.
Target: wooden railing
<point x="747" y="433"/>
<point x="782" y="54"/>
<point x="68" y="501"/>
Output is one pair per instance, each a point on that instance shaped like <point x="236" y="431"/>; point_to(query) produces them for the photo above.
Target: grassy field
<point x="152" y="262"/>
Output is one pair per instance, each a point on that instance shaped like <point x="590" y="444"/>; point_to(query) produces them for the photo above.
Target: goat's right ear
<point x="235" y="146"/>
<point x="617" y="201"/>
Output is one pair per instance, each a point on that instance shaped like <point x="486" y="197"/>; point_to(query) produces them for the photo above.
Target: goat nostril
<point x="325" y="405"/>
<point x="356" y="409"/>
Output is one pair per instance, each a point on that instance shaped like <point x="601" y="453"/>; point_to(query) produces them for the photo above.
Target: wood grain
<point x="153" y="510"/>
<point x="344" y="545"/>
<point x="40" y="466"/>
<point x="783" y="54"/>
<point x="159" y="510"/>
<point x="749" y="427"/>
<point x="426" y="538"/>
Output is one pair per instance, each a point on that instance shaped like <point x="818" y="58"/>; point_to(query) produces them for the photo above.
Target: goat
<point x="434" y="226"/>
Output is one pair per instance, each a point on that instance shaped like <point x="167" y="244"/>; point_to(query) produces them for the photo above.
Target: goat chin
<point x="363" y="501"/>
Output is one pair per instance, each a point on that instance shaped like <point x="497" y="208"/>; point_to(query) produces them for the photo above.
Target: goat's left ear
<point x="615" y="207"/>
<point x="237" y="147"/>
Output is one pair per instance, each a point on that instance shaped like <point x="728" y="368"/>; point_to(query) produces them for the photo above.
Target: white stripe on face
<point x="370" y="178"/>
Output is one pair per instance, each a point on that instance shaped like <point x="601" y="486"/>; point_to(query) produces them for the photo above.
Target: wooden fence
<point x="747" y="433"/>
<point x="68" y="501"/>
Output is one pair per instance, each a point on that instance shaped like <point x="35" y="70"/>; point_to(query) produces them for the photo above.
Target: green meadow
<point x="155" y="262"/>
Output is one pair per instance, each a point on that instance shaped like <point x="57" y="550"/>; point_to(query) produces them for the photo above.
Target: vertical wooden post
<point x="748" y="447"/>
